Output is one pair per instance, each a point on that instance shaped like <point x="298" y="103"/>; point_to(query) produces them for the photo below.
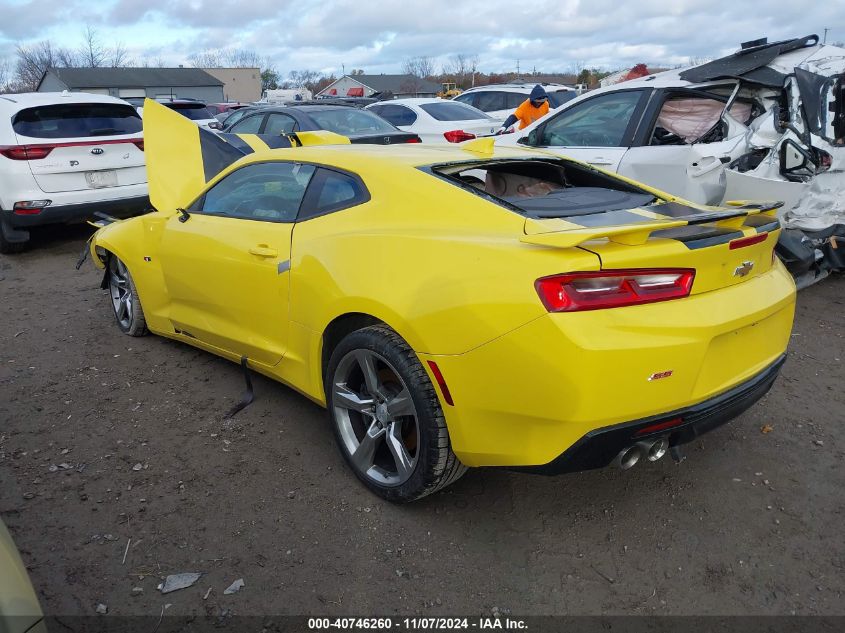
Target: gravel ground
<point x="104" y="438"/>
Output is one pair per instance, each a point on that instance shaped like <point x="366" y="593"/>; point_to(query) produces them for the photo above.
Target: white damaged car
<point x="767" y="122"/>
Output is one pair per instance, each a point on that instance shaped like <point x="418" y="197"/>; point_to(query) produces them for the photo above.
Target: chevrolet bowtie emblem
<point x="744" y="269"/>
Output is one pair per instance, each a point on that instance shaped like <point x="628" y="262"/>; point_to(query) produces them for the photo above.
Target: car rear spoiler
<point x="560" y="233"/>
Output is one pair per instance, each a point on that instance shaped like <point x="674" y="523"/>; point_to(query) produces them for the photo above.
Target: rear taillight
<point x="573" y="292"/>
<point x="30" y="207"/>
<point x="139" y="144"/>
<point x="414" y="139"/>
<point x="747" y="241"/>
<point x="458" y="136"/>
<point x="26" y="152"/>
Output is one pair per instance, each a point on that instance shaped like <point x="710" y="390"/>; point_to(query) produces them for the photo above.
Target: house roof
<point x="397" y="84"/>
<point x="132" y="77"/>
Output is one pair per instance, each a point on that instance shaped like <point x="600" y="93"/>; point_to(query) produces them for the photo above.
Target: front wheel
<point x="386" y="417"/>
<point x="124" y="297"/>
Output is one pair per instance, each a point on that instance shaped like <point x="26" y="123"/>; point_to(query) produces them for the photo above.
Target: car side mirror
<point x="531" y="140"/>
<point x="796" y="163"/>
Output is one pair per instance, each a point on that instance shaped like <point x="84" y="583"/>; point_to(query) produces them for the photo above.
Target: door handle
<point x="262" y="250"/>
<point x="599" y="161"/>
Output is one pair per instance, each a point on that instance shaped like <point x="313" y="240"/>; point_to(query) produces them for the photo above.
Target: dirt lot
<point x="751" y="522"/>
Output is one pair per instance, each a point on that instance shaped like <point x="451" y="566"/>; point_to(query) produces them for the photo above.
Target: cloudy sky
<point x="328" y="35"/>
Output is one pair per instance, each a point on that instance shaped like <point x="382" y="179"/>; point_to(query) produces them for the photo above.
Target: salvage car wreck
<point x="765" y="122"/>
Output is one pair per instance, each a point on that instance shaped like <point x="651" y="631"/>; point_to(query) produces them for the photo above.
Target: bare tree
<point x="302" y="78"/>
<point x="240" y="58"/>
<point x="119" y="56"/>
<point x="92" y="53"/>
<point x="32" y="62"/>
<point x="421" y="67"/>
<point x="66" y="57"/>
<point x="222" y="58"/>
<point x="207" y="59"/>
<point x="461" y="68"/>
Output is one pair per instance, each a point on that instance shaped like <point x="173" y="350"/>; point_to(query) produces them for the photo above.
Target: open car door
<point x="686" y="139"/>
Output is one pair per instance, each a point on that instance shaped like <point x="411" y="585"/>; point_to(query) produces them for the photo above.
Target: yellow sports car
<point x="454" y="306"/>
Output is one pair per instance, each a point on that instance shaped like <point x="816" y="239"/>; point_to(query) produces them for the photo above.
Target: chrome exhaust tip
<point x="629" y="456"/>
<point x="654" y="450"/>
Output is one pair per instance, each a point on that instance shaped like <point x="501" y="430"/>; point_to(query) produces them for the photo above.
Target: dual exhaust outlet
<point x="652" y="450"/>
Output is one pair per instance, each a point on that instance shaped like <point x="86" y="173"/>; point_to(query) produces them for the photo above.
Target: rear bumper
<point x="598" y="448"/>
<point x="67" y="213"/>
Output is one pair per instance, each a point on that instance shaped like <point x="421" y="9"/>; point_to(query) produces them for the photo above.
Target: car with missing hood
<point x="765" y="122"/>
<point x="454" y="306"/>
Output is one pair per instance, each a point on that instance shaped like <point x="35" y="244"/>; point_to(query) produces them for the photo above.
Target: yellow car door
<point x="226" y="260"/>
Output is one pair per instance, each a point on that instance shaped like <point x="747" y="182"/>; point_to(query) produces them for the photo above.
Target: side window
<point x="278" y="124"/>
<point x="233" y="118"/>
<point x="514" y="99"/>
<point x="271" y="192"/>
<point x="250" y="125"/>
<point x="598" y="122"/>
<point x="396" y="114"/>
<point x="469" y="99"/>
<point x="490" y="101"/>
<point x="686" y="119"/>
<point x="332" y="191"/>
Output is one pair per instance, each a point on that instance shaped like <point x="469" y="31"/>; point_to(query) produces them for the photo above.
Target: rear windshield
<point x="557" y="99"/>
<point x="74" y="120"/>
<point x="453" y="111"/>
<point x="547" y="188"/>
<point x="348" y="121"/>
<point x="194" y="111"/>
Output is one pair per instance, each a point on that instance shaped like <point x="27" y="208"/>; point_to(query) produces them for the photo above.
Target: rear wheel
<point x="124" y="297"/>
<point x="386" y="417"/>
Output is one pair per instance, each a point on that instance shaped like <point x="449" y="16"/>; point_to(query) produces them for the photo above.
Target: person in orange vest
<point x="533" y="108"/>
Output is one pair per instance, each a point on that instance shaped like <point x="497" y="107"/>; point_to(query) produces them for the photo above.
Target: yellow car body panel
<point x="453" y="275"/>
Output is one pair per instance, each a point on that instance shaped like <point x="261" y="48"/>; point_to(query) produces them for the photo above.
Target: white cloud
<point x="551" y="35"/>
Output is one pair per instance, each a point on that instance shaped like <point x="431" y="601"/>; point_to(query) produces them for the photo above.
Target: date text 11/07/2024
<point x="417" y="624"/>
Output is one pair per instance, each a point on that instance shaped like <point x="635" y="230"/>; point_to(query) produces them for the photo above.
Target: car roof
<point x="412" y="101"/>
<point x="407" y="154"/>
<point x="519" y="87"/>
<point x="18" y="101"/>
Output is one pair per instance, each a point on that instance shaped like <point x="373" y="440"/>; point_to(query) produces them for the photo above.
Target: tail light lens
<point x="458" y="136"/>
<point x="414" y="139"/>
<point x="747" y="241"/>
<point x="37" y="152"/>
<point x="30" y="207"/>
<point x="574" y="292"/>
<point x="26" y="152"/>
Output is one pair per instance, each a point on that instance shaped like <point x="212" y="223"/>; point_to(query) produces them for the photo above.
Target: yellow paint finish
<point x="450" y="272"/>
<point x="524" y="398"/>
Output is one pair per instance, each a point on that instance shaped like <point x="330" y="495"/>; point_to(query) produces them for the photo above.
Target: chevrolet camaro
<point x="454" y="306"/>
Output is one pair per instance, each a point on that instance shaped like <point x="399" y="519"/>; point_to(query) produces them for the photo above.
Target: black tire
<point x="126" y="305"/>
<point x="435" y="465"/>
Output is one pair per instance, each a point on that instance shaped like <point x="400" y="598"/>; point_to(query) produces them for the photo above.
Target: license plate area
<point x="101" y="179"/>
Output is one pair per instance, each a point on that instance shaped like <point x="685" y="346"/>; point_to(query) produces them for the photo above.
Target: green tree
<point x="269" y="79"/>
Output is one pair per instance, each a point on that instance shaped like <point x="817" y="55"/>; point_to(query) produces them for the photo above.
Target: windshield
<point x="74" y="120"/>
<point x="348" y="121"/>
<point x="194" y="111"/>
<point x="452" y="111"/>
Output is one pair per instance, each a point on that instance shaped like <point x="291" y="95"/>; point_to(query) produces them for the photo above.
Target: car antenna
<point x="184" y="216"/>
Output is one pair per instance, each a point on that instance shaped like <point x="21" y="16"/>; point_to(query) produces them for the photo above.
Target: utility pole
<point x="824" y="41"/>
<point x="517" y="69"/>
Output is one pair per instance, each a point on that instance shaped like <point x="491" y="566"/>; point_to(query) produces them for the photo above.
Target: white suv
<point x="64" y="156"/>
<point x="500" y="100"/>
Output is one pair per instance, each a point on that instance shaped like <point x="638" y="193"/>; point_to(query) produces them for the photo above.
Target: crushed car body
<point x="765" y="122"/>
